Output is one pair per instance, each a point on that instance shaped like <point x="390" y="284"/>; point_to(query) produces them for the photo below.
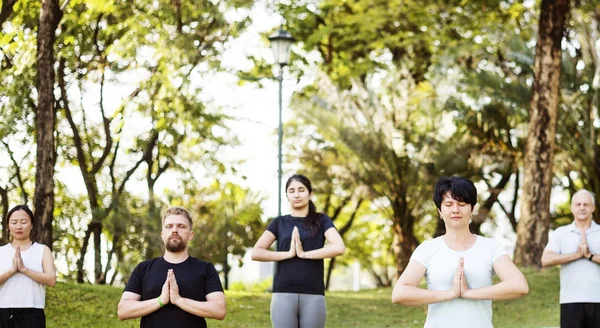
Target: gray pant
<point x="290" y="310"/>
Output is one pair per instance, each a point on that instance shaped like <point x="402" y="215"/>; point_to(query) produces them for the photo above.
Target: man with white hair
<point x="576" y="248"/>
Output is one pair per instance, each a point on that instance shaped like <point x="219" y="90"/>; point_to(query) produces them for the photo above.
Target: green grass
<point x="72" y="305"/>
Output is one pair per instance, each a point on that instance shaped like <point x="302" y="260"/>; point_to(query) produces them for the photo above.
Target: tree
<point x="390" y="138"/>
<point x="339" y="193"/>
<point x="370" y="243"/>
<point x="577" y="158"/>
<point x="418" y="43"/>
<point x="44" y="176"/>
<point x="7" y="10"/>
<point x="100" y="44"/>
<point x="227" y="222"/>
<point x="532" y="231"/>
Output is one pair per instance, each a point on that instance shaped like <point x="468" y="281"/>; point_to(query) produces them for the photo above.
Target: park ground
<point x="74" y="305"/>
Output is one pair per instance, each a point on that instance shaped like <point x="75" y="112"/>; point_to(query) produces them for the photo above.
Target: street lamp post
<point x="281" y="42"/>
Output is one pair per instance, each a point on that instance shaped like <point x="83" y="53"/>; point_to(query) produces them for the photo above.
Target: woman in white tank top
<point x="458" y="266"/>
<point x="26" y="268"/>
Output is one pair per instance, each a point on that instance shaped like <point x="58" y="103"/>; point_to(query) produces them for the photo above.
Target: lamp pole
<point x="281" y="42"/>
<point x="280" y="142"/>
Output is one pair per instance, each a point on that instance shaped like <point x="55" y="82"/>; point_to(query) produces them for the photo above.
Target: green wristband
<point x="160" y="302"/>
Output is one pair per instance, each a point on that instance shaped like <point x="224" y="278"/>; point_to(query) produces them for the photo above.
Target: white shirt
<point x="440" y="263"/>
<point x="20" y="291"/>
<point x="579" y="279"/>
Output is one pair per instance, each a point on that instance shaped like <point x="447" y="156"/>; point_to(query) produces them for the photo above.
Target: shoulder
<point x="487" y="243"/>
<point x="198" y="263"/>
<point x="324" y="218"/>
<point x="46" y="251"/>
<point x="146" y="265"/>
<point x="563" y="229"/>
<point x="280" y="219"/>
<point x="429" y="246"/>
<point x="5" y="249"/>
<point x="41" y="246"/>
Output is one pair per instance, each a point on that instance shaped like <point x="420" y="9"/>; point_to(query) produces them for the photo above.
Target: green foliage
<point x="259" y="287"/>
<point x="228" y="220"/>
<point x="370" y="242"/>
<point x="356" y="38"/>
<point x="159" y="120"/>
<point x="386" y="132"/>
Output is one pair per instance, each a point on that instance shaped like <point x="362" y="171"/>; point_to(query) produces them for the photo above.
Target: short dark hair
<point x="461" y="189"/>
<point x="27" y="210"/>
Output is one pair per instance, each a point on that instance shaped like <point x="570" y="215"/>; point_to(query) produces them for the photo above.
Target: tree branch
<point x="7" y="10"/>
<point x="18" y="174"/>
<point x="76" y="136"/>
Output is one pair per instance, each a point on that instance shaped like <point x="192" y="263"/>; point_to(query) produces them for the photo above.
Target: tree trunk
<point x="44" y="122"/>
<point x="532" y="230"/>
<point x="486" y="206"/>
<point x="405" y="242"/>
<point x="6" y="10"/>
<point x="329" y="272"/>
<point x="97" y="230"/>
<point x="4" y="202"/>
<point x="81" y="261"/>
<point x="342" y="232"/>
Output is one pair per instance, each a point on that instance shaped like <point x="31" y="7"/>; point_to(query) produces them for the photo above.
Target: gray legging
<point x="289" y="310"/>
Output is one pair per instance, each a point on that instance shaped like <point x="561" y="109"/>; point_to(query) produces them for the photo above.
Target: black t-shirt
<point x="296" y="275"/>
<point x="195" y="279"/>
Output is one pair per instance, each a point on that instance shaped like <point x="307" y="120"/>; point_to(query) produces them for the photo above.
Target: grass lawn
<point x="72" y="305"/>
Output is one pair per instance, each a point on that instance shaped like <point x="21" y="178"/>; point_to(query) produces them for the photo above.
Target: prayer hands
<point x="18" y="265"/>
<point x="292" y="251"/>
<point x="460" y="288"/>
<point x="173" y="287"/>
<point x="164" y="295"/>
<point x="583" y="250"/>
<point x="298" y="242"/>
<point x="170" y="289"/>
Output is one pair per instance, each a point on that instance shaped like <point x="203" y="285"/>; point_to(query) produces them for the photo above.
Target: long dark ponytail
<point x="312" y="220"/>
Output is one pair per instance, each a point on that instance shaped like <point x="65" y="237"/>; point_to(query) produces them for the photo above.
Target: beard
<point x="175" y="245"/>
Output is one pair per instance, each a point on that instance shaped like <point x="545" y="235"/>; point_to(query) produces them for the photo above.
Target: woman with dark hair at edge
<point x="26" y="268"/>
<point x="298" y="289"/>
<point x="458" y="266"/>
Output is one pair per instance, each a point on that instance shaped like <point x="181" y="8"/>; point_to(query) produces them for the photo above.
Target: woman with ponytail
<point x="298" y="289"/>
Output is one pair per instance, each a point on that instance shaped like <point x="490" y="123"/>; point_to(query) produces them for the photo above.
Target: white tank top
<point x="20" y="291"/>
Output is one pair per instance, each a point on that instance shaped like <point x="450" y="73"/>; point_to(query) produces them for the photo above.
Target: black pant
<point x="22" y="318"/>
<point x="580" y="315"/>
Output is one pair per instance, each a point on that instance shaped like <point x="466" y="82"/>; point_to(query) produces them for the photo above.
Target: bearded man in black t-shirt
<point x="176" y="289"/>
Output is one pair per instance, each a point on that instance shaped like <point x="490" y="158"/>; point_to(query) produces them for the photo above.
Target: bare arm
<point x="7" y="274"/>
<point x="214" y="307"/>
<point x="261" y="251"/>
<point x="512" y="283"/>
<point x="406" y="291"/>
<point x="130" y="306"/>
<point x="48" y="276"/>
<point x="596" y="259"/>
<point x="550" y="258"/>
<point x="335" y="246"/>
